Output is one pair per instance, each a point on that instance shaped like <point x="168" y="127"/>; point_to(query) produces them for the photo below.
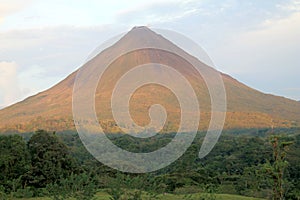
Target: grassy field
<point x="105" y="196"/>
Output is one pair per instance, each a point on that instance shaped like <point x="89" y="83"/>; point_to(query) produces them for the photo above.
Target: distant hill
<point x="52" y="109"/>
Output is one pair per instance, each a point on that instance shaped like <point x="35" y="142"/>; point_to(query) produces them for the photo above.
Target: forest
<point x="260" y="163"/>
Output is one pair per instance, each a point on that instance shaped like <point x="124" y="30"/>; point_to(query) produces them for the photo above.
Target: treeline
<point x="58" y="166"/>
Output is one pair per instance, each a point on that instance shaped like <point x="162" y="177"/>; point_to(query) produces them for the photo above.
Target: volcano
<point x="52" y="109"/>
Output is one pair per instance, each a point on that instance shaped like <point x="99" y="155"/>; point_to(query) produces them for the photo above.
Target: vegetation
<point x="253" y="163"/>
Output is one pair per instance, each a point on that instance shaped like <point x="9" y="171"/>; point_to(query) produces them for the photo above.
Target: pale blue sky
<point x="256" y="42"/>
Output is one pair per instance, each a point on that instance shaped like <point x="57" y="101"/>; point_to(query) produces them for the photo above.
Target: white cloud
<point x="56" y="50"/>
<point x="291" y="6"/>
<point x="69" y="12"/>
<point x="156" y="12"/>
<point x="266" y="57"/>
<point x="11" y="6"/>
<point x="10" y="91"/>
<point x="274" y="44"/>
<point x="53" y="44"/>
<point x="46" y="56"/>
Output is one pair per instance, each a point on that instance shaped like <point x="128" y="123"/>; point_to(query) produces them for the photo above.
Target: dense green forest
<point x="256" y="163"/>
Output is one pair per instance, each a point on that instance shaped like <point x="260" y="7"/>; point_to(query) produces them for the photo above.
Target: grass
<point x="105" y="196"/>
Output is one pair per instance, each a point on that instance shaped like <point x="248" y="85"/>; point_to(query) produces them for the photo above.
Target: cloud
<point x="55" y="49"/>
<point x="11" y="6"/>
<point x="243" y="37"/>
<point x="291" y="6"/>
<point x="45" y="56"/>
<point x="265" y="57"/>
<point x="68" y="12"/>
<point x="157" y="12"/>
<point x="275" y="43"/>
<point x="9" y="85"/>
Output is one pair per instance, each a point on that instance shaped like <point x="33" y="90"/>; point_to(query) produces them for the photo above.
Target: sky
<point x="42" y="41"/>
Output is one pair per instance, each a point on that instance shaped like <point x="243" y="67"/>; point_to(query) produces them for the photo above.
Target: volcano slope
<point x="52" y="109"/>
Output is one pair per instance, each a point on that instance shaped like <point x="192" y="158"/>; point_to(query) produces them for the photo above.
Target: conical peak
<point x="141" y="31"/>
<point x="140" y="36"/>
<point x="140" y="27"/>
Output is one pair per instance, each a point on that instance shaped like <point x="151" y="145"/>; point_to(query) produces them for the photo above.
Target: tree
<point x="278" y="165"/>
<point x="14" y="162"/>
<point x="50" y="159"/>
<point x="77" y="186"/>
